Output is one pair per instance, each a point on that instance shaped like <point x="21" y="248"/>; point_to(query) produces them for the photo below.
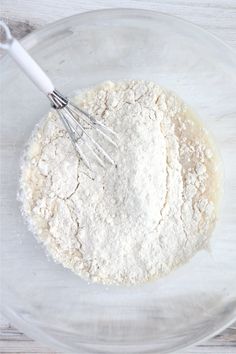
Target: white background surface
<point x="216" y="16"/>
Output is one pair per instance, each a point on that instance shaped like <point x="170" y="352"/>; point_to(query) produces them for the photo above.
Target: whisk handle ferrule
<point x="58" y="101"/>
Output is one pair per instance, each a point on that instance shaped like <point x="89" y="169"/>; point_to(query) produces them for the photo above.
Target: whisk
<point x="76" y="120"/>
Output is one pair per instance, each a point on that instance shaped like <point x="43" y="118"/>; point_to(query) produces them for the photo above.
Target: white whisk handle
<point x="26" y="62"/>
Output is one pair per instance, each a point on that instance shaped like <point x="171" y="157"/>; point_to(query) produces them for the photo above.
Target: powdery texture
<point x="130" y="223"/>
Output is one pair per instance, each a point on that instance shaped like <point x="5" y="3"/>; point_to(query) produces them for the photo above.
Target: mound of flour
<point x="130" y="223"/>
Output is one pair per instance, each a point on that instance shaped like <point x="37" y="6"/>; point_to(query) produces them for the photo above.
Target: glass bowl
<point x="50" y="303"/>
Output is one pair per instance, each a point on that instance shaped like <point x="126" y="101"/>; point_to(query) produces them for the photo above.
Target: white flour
<point x="134" y="222"/>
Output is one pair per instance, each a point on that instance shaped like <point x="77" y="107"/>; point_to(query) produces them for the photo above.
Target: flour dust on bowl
<point x="54" y="305"/>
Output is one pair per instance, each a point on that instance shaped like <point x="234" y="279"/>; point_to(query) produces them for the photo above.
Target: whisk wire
<point x="76" y="145"/>
<point x="90" y="138"/>
<point x="73" y="117"/>
<point x="100" y="127"/>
